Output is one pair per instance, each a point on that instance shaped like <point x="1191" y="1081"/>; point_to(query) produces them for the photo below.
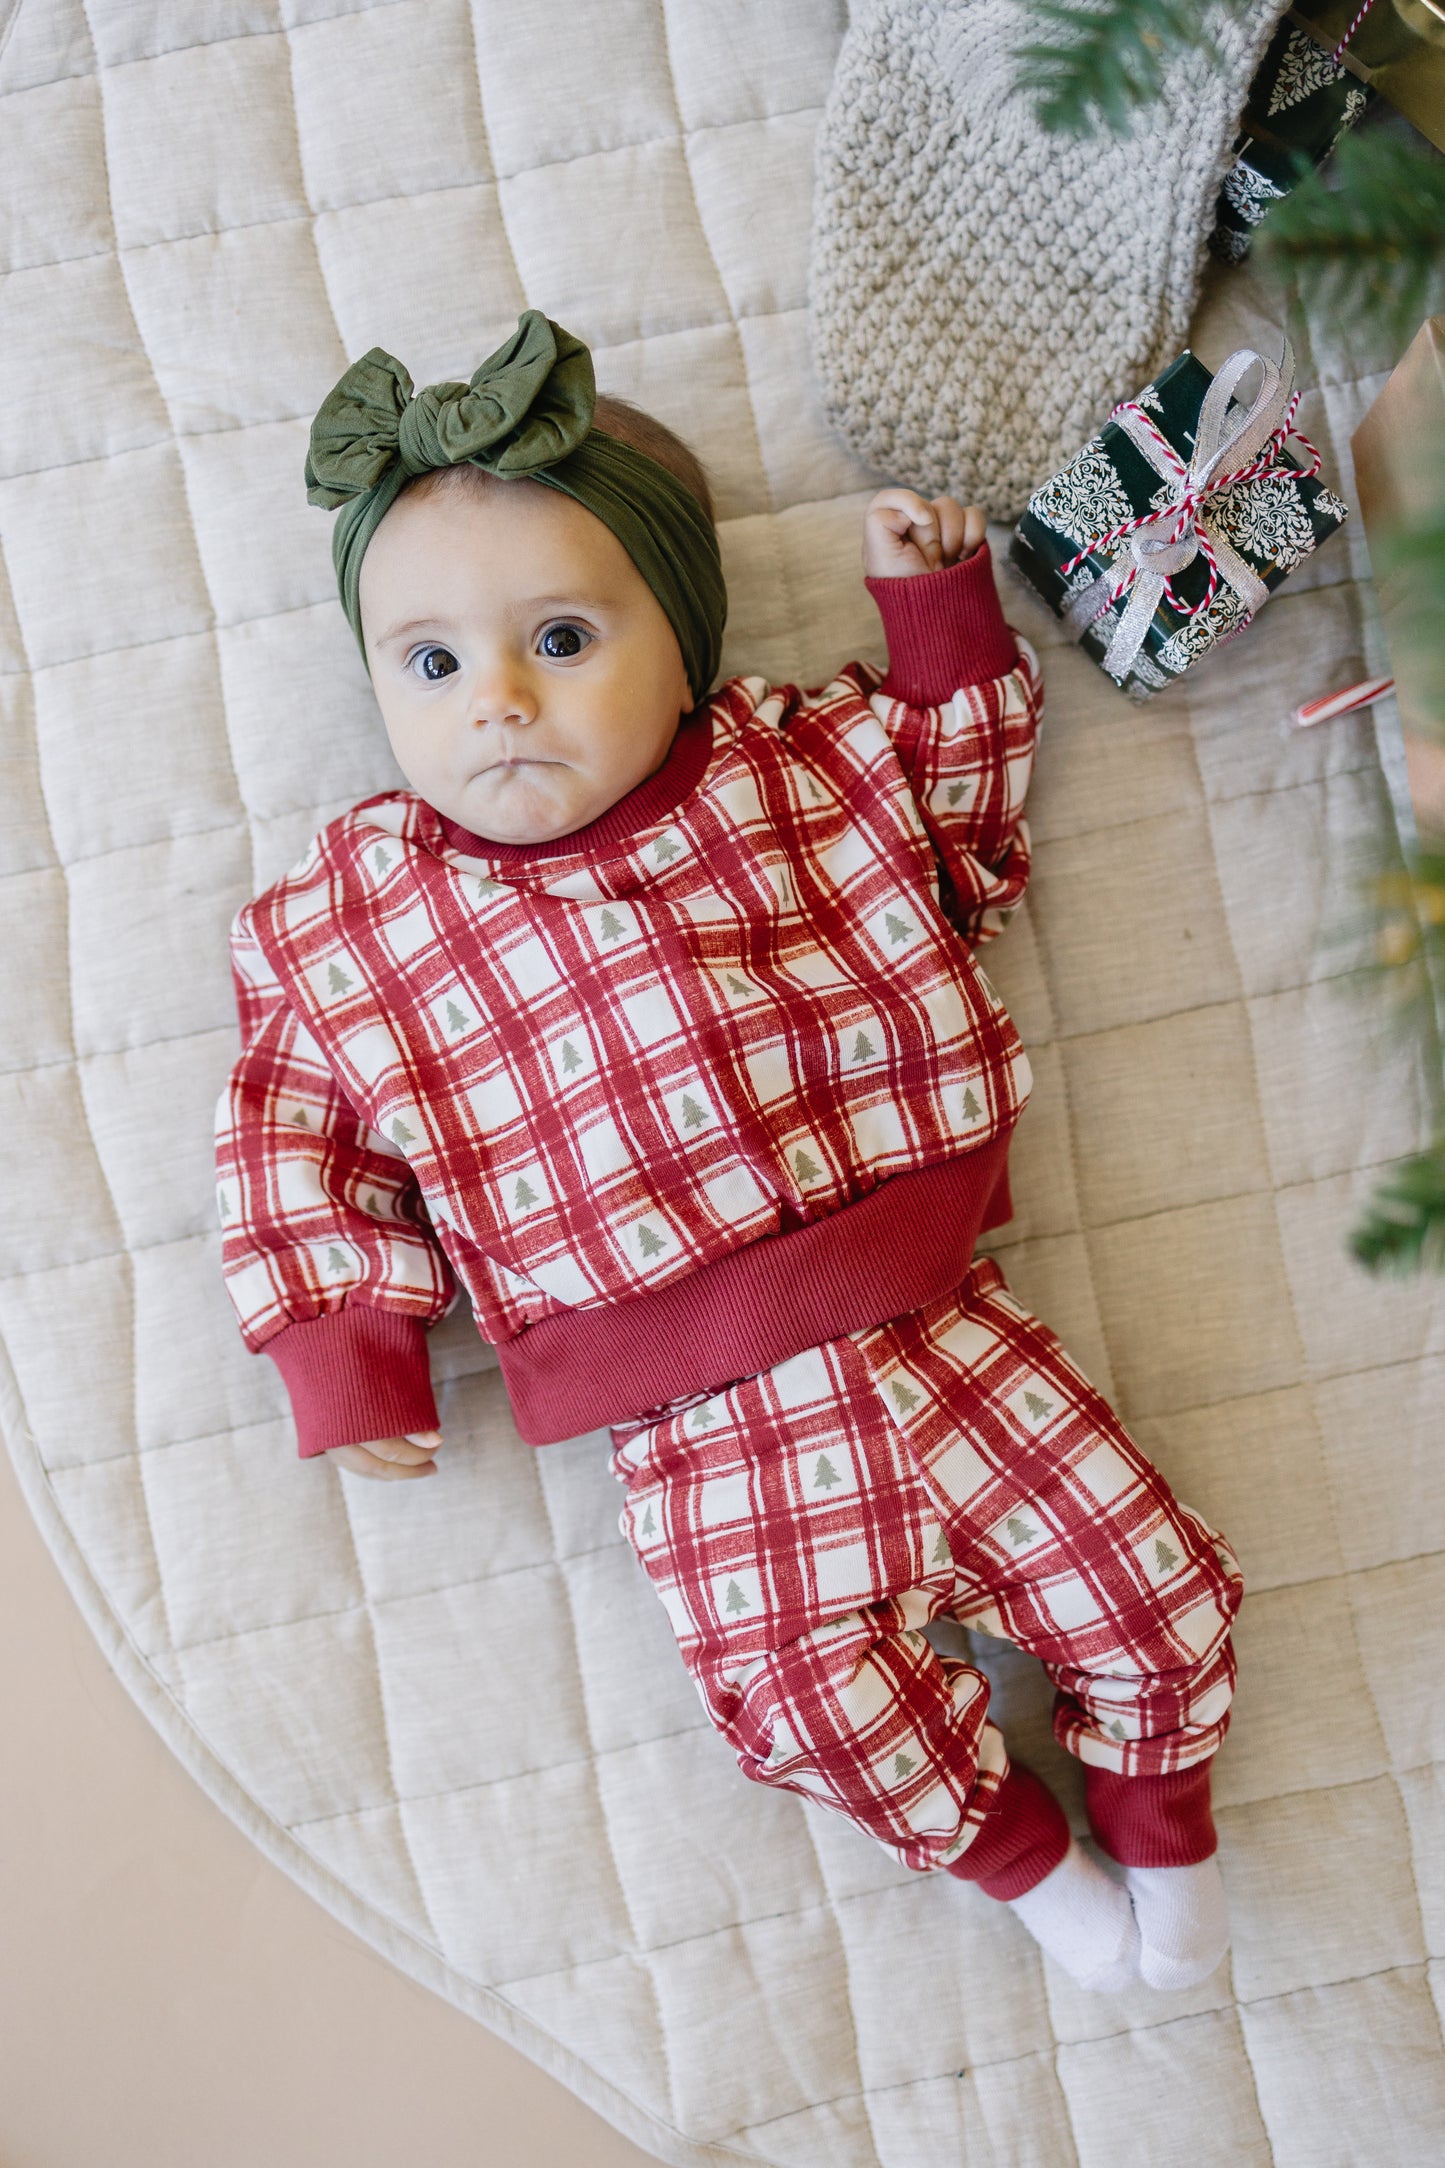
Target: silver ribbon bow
<point x="1150" y="555"/>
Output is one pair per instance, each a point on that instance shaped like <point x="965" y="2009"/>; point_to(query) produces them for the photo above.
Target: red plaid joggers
<point x="803" y="1526"/>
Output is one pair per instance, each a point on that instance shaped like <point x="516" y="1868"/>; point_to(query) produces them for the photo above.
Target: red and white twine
<point x="1354" y="26"/>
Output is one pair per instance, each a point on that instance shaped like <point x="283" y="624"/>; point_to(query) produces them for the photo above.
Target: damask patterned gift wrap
<point x="1273" y="521"/>
<point x="1300" y="104"/>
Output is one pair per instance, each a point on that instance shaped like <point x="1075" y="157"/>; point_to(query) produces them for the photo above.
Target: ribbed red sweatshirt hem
<point x="1152" y="1821"/>
<point x="357" y="1373"/>
<point x="907" y="1243"/>
<point x="945" y="630"/>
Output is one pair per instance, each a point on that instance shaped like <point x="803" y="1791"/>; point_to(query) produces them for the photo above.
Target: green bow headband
<point x="527" y="411"/>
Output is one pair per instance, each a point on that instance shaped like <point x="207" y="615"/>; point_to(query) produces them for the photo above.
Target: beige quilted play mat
<point x="453" y="1711"/>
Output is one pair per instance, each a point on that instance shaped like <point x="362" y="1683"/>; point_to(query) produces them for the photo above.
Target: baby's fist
<point x="391" y="1458"/>
<point x="904" y="533"/>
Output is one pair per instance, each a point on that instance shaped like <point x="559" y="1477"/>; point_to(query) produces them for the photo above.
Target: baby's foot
<point x="1183" y="1922"/>
<point x="1085" y="1922"/>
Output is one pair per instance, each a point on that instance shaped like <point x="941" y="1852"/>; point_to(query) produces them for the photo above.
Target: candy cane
<point x="1341" y="703"/>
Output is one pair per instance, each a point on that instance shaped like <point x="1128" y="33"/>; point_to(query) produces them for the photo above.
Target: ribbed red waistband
<point x="907" y="1243"/>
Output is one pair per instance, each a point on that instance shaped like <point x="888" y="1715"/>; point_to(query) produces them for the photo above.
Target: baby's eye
<point x="434" y="663"/>
<point x="559" y="643"/>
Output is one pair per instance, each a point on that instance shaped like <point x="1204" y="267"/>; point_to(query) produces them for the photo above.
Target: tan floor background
<point x="168" y="1999"/>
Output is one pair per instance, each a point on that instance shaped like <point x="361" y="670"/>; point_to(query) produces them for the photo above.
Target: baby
<point x="648" y="1015"/>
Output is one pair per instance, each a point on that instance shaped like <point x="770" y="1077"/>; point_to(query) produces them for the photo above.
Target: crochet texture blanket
<point x="453" y="1711"/>
<point x="982" y="292"/>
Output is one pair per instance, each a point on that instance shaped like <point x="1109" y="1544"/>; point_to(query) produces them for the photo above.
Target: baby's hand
<point x="904" y="533"/>
<point x="391" y="1458"/>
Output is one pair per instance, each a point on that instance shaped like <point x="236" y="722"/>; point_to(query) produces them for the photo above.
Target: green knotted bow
<point x="527" y="411"/>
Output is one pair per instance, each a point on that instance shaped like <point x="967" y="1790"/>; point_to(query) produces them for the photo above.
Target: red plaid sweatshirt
<point x="673" y="1097"/>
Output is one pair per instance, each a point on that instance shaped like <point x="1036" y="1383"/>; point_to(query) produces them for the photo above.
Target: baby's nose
<point x="503" y="698"/>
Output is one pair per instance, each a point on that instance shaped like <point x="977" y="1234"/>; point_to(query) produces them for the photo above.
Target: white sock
<point x="1085" y="1922"/>
<point x="1183" y="1922"/>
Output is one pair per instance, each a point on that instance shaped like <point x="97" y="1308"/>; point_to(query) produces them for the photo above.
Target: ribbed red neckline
<point x="653" y="799"/>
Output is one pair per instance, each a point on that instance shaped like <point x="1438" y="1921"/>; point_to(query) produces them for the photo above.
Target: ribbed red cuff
<point x="944" y="629"/>
<point x="1024" y="1838"/>
<point x="355" y="1374"/>
<point x="1152" y="1821"/>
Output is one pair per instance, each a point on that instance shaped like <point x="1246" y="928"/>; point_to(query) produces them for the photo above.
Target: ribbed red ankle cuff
<point x="1024" y="1838"/>
<point x="1152" y="1821"/>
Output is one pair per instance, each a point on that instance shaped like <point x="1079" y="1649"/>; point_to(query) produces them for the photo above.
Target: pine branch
<point x="1411" y="558"/>
<point x="1369" y="238"/>
<point x="1390" y="941"/>
<point x="1095" y="62"/>
<point x="1404" y="1225"/>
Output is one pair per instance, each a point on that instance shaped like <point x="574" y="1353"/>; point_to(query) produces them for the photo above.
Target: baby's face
<point x="527" y="675"/>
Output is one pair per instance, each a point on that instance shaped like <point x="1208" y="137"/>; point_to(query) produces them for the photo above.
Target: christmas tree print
<point x="971" y="1107"/>
<point x="664" y="849"/>
<point x="400" y="1134"/>
<point x="942" y="1555"/>
<point x="903" y="1765"/>
<point x="1116" y="1730"/>
<point x="863" y="1048"/>
<point x="805" y="1169"/>
<point x="735" y="1600"/>
<point x="456" y="1018"/>
<point x="298" y="1119"/>
<point x="692" y="1114"/>
<point x="737" y="985"/>
<point x="702" y="1417"/>
<point x="382" y="859"/>
<point x="954" y="793"/>
<point x="898" y="929"/>
<point x="571" y="1059"/>
<point x="1019" y="1531"/>
<point x="649" y="1525"/>
<point x="336" y="980"/>
<point x="649" y="1241"/>
<point x="523" y="1196"/>
<point x="335" y="1259"/>
<point x="825" y="1475"/>
<point x="904" y="1400"/>
<point x="1038" y="1408"/>
<point x="224" y="1203"/>
<point x="371" y="1205"/>
<point x="486" y="889"/>
<point x="610" y="926"/>
<point x="1164" y="1558"/>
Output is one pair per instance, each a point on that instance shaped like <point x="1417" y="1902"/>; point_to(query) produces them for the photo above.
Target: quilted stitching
<point x="453" y="1710"/>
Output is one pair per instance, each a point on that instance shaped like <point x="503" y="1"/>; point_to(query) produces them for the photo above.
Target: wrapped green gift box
<point x="1300" y="103"/>
<point x="1214" y="473"/>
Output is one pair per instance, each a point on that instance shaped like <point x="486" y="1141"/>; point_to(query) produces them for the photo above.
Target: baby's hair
<point x="615" y="418"/>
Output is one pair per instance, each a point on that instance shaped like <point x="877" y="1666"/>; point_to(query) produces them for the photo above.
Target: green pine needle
<point x="1369" y="235"/>
<point x="1404" y="1225"/>
<point x="1411" y="558"/>
<point x="1094" y="63"/>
